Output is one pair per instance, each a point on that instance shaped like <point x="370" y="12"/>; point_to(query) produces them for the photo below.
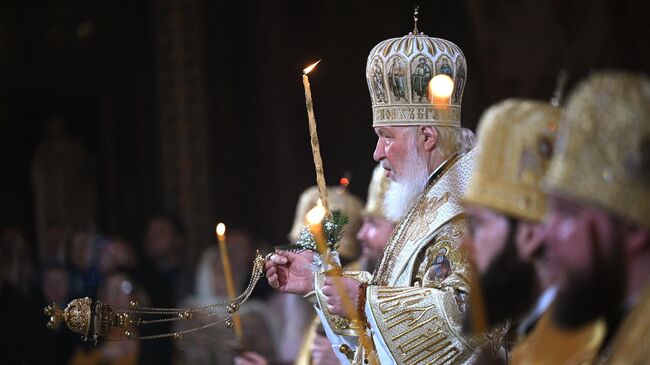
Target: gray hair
<point x="452" y="140"/>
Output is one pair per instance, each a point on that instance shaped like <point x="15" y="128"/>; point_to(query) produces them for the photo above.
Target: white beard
<point x="404" y="191"/>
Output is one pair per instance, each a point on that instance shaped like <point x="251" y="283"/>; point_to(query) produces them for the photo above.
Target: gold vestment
<point x="631" y="344"/>
<point x="548" y="344"/>
<point x="419" y="295"/>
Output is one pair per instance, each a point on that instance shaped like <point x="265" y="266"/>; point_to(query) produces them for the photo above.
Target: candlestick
<point x="227" y="273"/>
<point x="315" y="145"/>
<point x="314" y="218"/>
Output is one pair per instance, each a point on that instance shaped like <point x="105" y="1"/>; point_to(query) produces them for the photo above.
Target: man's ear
<point x="530" y="237"/>
<point x="430" y="135"/>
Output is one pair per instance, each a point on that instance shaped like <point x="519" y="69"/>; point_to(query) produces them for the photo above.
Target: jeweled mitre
<point x="515" y="142"/>
<point x="379" y="184"/>
<point x="398" y="73"/>
<point x="603" y="145"/>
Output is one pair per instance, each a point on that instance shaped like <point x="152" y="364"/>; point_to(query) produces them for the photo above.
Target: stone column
<point x="182" y="123"/>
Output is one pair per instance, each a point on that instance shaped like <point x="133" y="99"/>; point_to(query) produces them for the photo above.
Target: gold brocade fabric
<point x="548" y="344"/>
<point x="339" y="325"/>
<point x="398" y="71"/>
<point x="515" y="141"/>
<point x="439" y="203"/>
<point x="631" y="344"/>
<point x="603" y="146"/>
<point x="420" y="294"/>
<point x="379" y="184"/>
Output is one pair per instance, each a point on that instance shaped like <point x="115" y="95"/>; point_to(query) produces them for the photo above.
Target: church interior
<point x="128" y="129"/>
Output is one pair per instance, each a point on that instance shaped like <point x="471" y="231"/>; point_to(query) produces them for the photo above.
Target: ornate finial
<point x="94" y="319"/>
<point x="415" y="20"/>
<point x="55" y="314"/>
<point x="558" y="93"/>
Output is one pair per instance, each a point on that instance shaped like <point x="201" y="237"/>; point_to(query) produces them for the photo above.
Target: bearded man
<point x="599" y="220"/>
<point x="505" y="210"/>
<point x="412" y="316"/>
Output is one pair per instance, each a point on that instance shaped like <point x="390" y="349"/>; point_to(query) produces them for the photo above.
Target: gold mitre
<point x="339" y="198"/>
<point x="376" y="193"/>
<point x="398" y="73"/>
<point x="603" y="145"/>
<point x="515" y="139"/>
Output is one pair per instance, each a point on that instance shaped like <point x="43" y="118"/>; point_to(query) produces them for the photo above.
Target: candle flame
<point x="441" y="86"/>
<point x="221" y="229"/>
<point x="309" y="68"/>
<point x="315" y="215"/>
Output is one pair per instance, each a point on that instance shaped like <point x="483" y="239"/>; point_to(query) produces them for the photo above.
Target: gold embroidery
<point x="449" y="354"/>
<point x="420" y="325"/>
<point x="428" y="350"/>
<point x="417" y="329"/>
<point x="396" y="300"/>
<point x="429" y="211"/>
<point x="399" y="236"/>
<point x="407" y="317"/>
<point x="416" y="326"/>
<point x="421" y="339"/>
<point x="439" y="260"/>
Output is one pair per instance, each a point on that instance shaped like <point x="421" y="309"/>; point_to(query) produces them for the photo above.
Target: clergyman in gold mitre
<point x="417" y="298"/>
<point x="376" y="228"/>
<point x="299" y="316"/>
<point x="599" y="217"/>
<point x="505" y="209"/>
<point x="339" y="198"/>
<point x="376" y="193"/>
<point x="372" y="236"/>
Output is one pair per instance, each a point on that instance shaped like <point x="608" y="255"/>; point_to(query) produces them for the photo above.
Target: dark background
<point x="196" y="108"/>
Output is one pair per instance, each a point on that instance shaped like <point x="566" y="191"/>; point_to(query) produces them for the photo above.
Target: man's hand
<point x="289" y="272"/>
<point x="250" y="358"/>
<point x="322" y="352"/>
<point x="334" y="300"/>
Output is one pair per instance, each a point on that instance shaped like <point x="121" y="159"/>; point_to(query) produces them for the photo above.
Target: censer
<point x="93" y="319"/>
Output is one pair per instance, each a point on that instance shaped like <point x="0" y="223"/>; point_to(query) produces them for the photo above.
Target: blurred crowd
<point x="82" y="262"/>
<point x="278" y="328"/>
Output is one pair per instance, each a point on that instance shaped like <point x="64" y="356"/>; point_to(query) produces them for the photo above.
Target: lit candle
<point x="319" y="212"/>
<point x="227" y="273"/>
<point x="314" y="218"/>
<point x="315" y="146"/>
